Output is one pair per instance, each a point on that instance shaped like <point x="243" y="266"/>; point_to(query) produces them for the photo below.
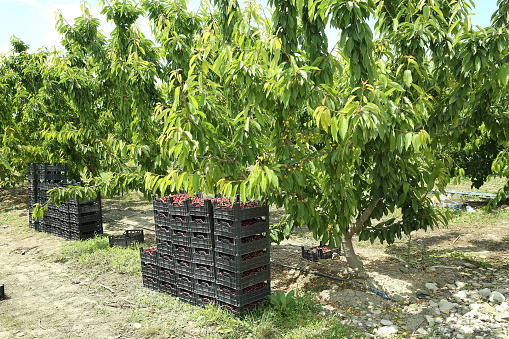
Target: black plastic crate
<point x="183" y="267"/>
<point x="180" y="222"/>
<point x="236" y="212"/>
<point x="172" y="204"/>
<point x="49" y="168"/>
<point x="242" y="262"/>
<point x="129" y="238"/>
<point x="202" y="255"/>
<point x="182" y="252"/>
<point x="203" y="271"/>
<point x="84" y="235"/>
<point x="168" y="275"/>
<point x="160" y="205"/>
<point x="149" y="269"/>
<point x="242" y="310"/>
<point x="202" y="239"/>
<point x="240" y="246"/>
<point x="203" y="299"/>
<point x="150" y="282"/>
<point x="84" y="218"/>
<point x="243" y="278"/>
<point x="162" y="219"/>
<point x="241" y="228"/>
<point x="186" y="295"/>
<point x="91" y="226"/>
<point x="149" y="255"/>
<point x="242" y="296"/>
<point x="169" y="288"/>
<point x="205" y="287"/>
<point x="185" y="281"/>
<point x="163" y="232"/>
<point x="164" y="246"/>
<point x="199" y="207"/>
<point x="181" y="237"/>
<point x="166" y="261"/>
<point x="201" y="224"/>
<point x="85" y="207"/>
<point x="61" y="232"/>
<point x="318" y="252"/>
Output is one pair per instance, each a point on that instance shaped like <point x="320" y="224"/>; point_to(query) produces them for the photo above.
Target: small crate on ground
<point x="319" y="252"/>
<point x="129" y="238"/>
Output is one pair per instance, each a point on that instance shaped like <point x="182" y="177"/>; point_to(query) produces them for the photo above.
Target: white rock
<point x="496" y="297"/>
<point x="471" y="314"/>
<point x="502" y="307"/>
<point x="466" y="330"/>
<point x="502" y="317"/>
<point x="460" y="284"/>
<point x="484" y="317"/>
<point x="445" y="305"/>
<point x="387" y="330"/>
<point x="386" y="322"/>
<point x="485" y="292"/>
<point x="460" y="295"/>
<point x="475" y="306"/>
<point x="137" y="325"/>
<point x="431" y="286"/>
<point x="377" y="312"/>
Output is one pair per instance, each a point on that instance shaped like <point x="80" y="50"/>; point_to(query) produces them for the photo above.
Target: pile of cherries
<point x="149" y="251"/>
<point x="254" y="271"/>
<point x="202" y="251"/>
<point x="178" y="233"/>
<point x="204" y="268"/>
<point x="176" y="200"/>
<point x="252" y="238"/>
<point x="324" y="249"/>
<point x="182" y="249"/>
<point x="254" y="287"/>
<point x="253" y="255"/>
<point x="183" y="263"/>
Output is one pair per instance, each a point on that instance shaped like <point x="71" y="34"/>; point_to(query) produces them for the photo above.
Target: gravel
<point x="476" y="307"/>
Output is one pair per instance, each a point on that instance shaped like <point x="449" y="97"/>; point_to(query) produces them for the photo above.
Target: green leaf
<point x="407" y="77"/>
<point x="343" y="126"/>
<point x="196" y="181"/>
<point x="425" y="13"/>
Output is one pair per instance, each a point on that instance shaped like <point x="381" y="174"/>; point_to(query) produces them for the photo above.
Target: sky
<point x="33" y="21"/>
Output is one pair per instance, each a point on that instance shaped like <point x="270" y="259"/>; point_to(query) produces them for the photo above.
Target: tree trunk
<point x="352" y="258"/>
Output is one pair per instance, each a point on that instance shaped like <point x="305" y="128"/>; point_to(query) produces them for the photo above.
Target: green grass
<point x="480" y="217"/>
<point x="268" y="321"/>
<point x="96" y="256"/>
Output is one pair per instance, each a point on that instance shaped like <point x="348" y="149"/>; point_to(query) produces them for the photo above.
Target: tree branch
<point x="362" y="218"/>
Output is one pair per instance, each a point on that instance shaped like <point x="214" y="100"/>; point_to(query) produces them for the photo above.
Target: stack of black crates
<point x="210" y="251"/>
<point x="72" y="220"/>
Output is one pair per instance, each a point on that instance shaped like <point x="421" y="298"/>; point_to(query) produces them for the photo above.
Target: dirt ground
<point x="48" y="299"/>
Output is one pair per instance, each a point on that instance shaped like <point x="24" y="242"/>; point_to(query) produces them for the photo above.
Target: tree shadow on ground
<point x="13" y="199"/>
